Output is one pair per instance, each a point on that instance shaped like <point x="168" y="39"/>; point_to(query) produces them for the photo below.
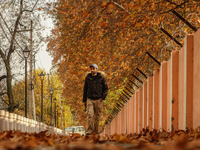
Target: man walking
<point x="95" y="90"/>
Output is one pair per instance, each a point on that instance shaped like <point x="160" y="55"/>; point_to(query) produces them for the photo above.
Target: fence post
<point x="145" y="108"/>
<point x="196" y="85"/>
<point x="163" y="96"/>
<point x="175" y="90"/>
<point x="189" y="58"/>
<point x="131" y="112"/>
<point x="2" y="120"/>
<point x="7" y="121"/>
<point x="156" y="99"/>
<point x="14" y="122"/>
<point x="140" y="108"/>
<point x="169" y="95"/>
<point x="11" y="121"/>
<point x="150" y="103"/>
<point x="182" y="103"/>
<point x="18" y="123"/>
<point x="137" y="111"/>
<point x="37" y="126"/>
<point x="23" y="124"/>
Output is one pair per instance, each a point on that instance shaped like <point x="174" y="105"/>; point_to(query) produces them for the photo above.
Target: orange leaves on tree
<point x="127" y="18"/>
<point x="111" y="7"/>
<point x="104" y="4"/>
<point x="104" y="24"/>
<point x="103" y="30"/>
<point x="85" y="13"/>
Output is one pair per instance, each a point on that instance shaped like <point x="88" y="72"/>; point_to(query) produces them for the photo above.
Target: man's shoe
<point x="88" y="133"/>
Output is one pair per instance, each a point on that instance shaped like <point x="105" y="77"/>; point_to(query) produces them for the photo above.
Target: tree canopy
<point x="15" y="28"/>
<point x="115" y="34"/>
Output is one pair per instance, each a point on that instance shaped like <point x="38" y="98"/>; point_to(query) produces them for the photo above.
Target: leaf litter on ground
<point x="150" y="140"/>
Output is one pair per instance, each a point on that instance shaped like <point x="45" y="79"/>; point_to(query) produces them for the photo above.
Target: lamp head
<point x="26" y="52"/>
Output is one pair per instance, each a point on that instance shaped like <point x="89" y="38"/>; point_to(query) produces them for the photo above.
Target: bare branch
<point x="15" y="29"/>
<point x="2" y="77"/>
<point x="11" y="33"/>
<point x="5" y="102"/>
<point x="34" y="6"/>
<point x="170" y="2"/>
<point x="177" y="6"/>
<point x="4" y="32"/>
<point x="3" y="93"/>
<point x="26" y="10"/>
<point x="3" y="56"/>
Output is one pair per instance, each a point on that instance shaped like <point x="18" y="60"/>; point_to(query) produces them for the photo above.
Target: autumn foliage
<point x="51" y="81"/>
<point x="116" y="35"/>
<point x="151" y="140"/>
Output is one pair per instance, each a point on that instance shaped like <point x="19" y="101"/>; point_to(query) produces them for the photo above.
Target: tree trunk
<point x="9" y="87"/>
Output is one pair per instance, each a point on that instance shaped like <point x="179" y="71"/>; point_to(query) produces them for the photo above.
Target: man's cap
<point x="94" y="65"/>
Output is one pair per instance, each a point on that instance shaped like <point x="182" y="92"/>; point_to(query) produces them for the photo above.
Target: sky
<point x="43" y="59"/>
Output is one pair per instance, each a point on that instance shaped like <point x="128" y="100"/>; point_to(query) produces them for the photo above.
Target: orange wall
<point x="164" y="95"/>
<point x="196" y="81"/>
<point x="156" y="99"/>
<point x="150" y="101"/>
<point x="145" y="105"/>
<point x="170" y="99"/>
<point x="175" y="90"/>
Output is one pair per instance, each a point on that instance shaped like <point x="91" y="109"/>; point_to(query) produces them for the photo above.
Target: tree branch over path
<point x="177" y="6"/>
<point x="120" y="6"/>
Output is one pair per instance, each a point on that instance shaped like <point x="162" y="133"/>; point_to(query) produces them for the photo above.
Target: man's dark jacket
<point x="95" y="89"/>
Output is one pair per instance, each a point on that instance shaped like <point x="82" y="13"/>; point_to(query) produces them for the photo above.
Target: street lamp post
<point x="26" y="53"/>
<point x="61" y="119"/>
<point x="55" y="111"/>
<point x="57" y="117"/>
<point x="51" y="93"/>
<point x="42" y="79"/>
<point x="64" y="118"/>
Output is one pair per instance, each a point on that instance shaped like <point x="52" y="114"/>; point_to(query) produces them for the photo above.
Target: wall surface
<point x="170" y="99"/>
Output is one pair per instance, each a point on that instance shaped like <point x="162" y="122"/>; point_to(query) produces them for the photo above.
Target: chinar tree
<point x="15" y="18"/>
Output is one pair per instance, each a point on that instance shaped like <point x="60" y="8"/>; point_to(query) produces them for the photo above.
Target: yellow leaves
<point x="50" y="142"/>
<point x="120" y="138"/>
